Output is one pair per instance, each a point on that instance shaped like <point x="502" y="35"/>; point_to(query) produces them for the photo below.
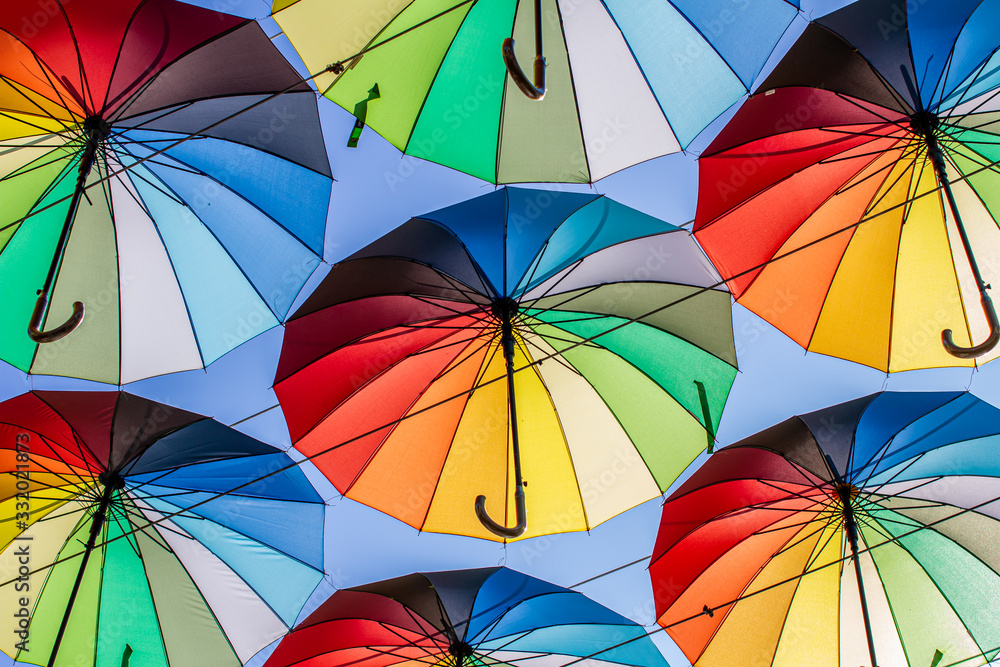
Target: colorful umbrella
<point x="132" y="528"/>
<point x="866" y="529"/>
<point x="626" y="81"/>
<point x="151" y="175"/>
<point x="593" y="334"/>
<point x="489" y="616"/>
<point x="847" y="204"/>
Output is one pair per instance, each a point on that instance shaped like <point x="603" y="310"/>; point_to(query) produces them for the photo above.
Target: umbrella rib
<point x="92" y="470"/>
<point x="947" y="137"/>
<point x="45" y="130"/>
<point x="472" y="350"/>
<point x="187" y="168"/>
<point x="942" y="594"/>
<point x="910" y="150"/>
<point x="584" y="245"/>
<point x="437" y="302"/>
<point x="979" y="158"/>
<point x="158" y="186"/>
<point x="133" y="538"/>
<point x="530" y="305"/>
<point x="869" y="492"/>
<point x="972" y="76"/>
<point x="158" y="114"/>
<point x="428" y="659"/>
<point x="42" y="112"/>
<point x="49" y="188"/>
<point x="451" y="335"/>
<point x="513" y="638"/>
<point x="551" y="288"/>
<point x="58" y="475"/>
<point x="559" y="359"/>
<point x="39" y="141"/>
<point x="901" y="123"/>
<point x="395" y="423"/>
<point x="583" y="316"/>
<point x="164" y="527"/>
<point x="416" y="618"/>
<point x="137" y="487"/>
<point x="62" y="101"/>
<point x="82" y="503"/>
<point x="562" y="339"/>
<point x="818" y="552"/>
<point x="458" y="421"/>
<point x="66" y="481"/>
<point x="796" y="494"/>
<point x="78" y="506"/>
<point x="41" y="165"/>
<point x="873" y="524"/>
<point x="899" y="133"/>
<point x="775" y="528"/>
<point x="885" y="450"/>
<point x="986" y="100"/>
<point x="371" y="45"/>
<point x="604" y="574"/>
<point x="467" y="291"/>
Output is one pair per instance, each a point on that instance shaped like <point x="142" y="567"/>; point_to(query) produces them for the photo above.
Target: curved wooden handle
<point x="982" y="348"/>
<point x="52" y="335"/>
<point x="500" y="529"/>
<point x="534" y="91"/>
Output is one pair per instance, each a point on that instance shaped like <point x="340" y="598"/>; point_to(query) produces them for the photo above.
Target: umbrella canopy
<point x="130" y="539"/>
<point x="866" y="175"/>
<point x="464" y="617"/>
<point x="881" y="514"/>
<point x="626" y="81"/>
<point x="178" y="252"/>
<point x="607" y="326"/>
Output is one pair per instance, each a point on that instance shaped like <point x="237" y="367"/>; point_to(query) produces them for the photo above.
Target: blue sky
<point x="376" y="190"/>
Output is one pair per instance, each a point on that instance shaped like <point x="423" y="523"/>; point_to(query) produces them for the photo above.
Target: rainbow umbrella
<point x="862" y="534"/>
<point x="559" y="339"/>
<point x="132" y="530"/>
<point x="623" y="82"/>
<point x="853" y="204"/>
<point x="161" y="201"/>
<point x="489" y="616"/>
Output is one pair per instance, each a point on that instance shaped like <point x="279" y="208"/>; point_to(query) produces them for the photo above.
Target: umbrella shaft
<point x="937" y="159"/>
<point x="538" y="28"/>
<point x="851" y="526"/>
<point x="86" y="163"/>
<point x="508" y="343"/>
<point x="864" y="601"/>
<point x="95" y="529"/>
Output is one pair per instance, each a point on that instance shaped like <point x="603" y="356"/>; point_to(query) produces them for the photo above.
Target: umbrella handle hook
<point x="536" y="90"/>
<point x="982" y="348"/>
<point x="500" y="529"/>
<point x="52" y="335"/>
